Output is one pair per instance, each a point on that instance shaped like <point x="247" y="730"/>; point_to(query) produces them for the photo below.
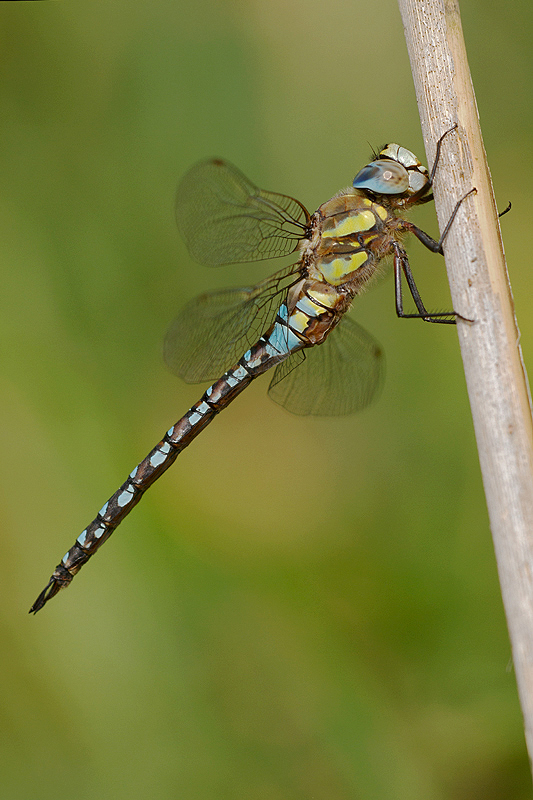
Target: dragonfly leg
<point x="401" y="265"/>
<point x="425" y="238"/>
<point x="437" y="151"/>
<point x="505" y="210"/>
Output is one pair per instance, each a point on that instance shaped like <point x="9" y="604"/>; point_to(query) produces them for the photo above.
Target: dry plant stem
<point x="495" y="374"/>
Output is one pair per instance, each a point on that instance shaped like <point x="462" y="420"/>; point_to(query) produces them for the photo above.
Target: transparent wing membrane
<point x="214" y="330"/>
<point x="338" y="377"/>
<point x="225" y="219"/>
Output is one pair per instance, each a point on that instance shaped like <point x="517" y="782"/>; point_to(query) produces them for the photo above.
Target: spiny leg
<point x="401" y="264"/>
<point x="426" y="239"/>
<point x="437" y="151"/>
<point x="505" y="210"/>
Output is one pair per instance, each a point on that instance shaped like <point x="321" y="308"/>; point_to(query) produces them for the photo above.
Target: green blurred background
<point x="300" y="608"/>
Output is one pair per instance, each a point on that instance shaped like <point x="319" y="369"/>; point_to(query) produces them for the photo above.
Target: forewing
<point x="225" y="219"/>
<point x="340" y="376"/>
<point x="214" y="330"/>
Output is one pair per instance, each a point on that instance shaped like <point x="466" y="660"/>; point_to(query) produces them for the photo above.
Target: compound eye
<point x="383" y="177"/>
<point x="417" y="181"/>
<point x="400" y="154"/>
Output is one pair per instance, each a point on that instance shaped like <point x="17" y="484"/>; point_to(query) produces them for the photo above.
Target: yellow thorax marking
<point x="355" y="223"/>
<point x="336" y="270"/>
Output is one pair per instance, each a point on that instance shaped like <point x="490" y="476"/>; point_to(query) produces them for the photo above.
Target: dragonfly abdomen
<point x="272" y="348"/>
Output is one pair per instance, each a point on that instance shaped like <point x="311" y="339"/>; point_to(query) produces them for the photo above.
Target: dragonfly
<point x="294" y="322"/>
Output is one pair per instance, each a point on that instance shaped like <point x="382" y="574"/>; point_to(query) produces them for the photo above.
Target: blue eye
<point x="383" y="177"/>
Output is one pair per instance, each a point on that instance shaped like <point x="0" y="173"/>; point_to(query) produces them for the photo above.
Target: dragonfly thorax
<point x="341" y="248"/>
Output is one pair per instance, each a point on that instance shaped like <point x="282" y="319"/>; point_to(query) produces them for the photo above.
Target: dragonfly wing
<point x="225" y="219"/>
<point x="214" y="330"/>
<point x="338" y="377"/>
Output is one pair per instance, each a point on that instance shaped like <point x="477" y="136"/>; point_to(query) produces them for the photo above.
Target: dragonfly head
<point x="394" y="171"/>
